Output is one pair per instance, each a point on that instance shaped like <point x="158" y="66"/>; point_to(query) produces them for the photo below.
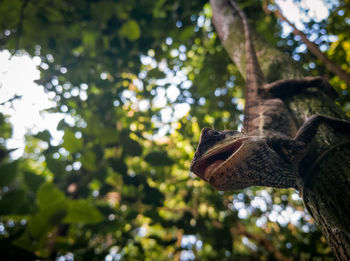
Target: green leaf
<point x="89" y="39"/>
<point x="88" y="159"/>
<point x="157" y="158"/>
<point x="25" y="241"/>
<point x="107" y="135"/>
<point x="52" y="209"/>
<point x="187" y="33"/>
<point x="62" y="125"/>
<point x="152" y="196"/>
<point x="131" y="147"/>
<point x="121" y="11"/>
<point x="8" y="173"/>
<point x="49" y="194"/>
<point x="159" y="11"/>
<point x="40" y="225"/>
<point x="44" y="135"/>
<point x="156" y="73"/>
<point x="130" y="30"/>
<point x="5" y="127"/>
<point x="47" y="217"/>
<point x="33" y="180"/>
<point x="14" y="202"/>
<point x="118" y="165"/>
<point x="81" y="211"/>
<point x="71" y="143"/>
<point x="55" y="166"/>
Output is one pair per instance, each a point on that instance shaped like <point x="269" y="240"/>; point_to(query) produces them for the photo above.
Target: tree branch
<point x="262" y="241"/>
<point x="20" y="25"/>
<point x="11" y="99"/>
<point x="330" y="65"/>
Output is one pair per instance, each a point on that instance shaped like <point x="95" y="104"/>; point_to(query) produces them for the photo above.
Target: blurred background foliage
<point x="138" y="80"/>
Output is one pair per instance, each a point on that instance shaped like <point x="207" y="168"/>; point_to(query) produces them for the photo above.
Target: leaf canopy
<point x="136" y="81"/>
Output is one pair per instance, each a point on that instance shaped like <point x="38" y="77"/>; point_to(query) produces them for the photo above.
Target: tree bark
<point x="325" y="171"/>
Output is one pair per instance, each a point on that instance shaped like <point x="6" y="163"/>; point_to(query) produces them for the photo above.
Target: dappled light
<point x="101" y="108"/>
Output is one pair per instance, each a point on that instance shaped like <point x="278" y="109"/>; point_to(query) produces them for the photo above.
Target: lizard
<point x="270" y="147"/>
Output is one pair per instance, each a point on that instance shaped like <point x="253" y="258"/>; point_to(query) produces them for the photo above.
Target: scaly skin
<point x="269" y="149"/>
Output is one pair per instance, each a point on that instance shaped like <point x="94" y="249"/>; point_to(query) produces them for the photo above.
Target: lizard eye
<point x="215" y="133"/>
<point x="207" y="133"/>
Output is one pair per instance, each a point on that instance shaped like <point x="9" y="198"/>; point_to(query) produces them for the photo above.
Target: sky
<point x="28" y="115"/>
<point x="318" y="10"/>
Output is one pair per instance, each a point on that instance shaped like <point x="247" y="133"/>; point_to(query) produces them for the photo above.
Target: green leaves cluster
<point x="54" y="211"/>
<point x="118" y="184"/>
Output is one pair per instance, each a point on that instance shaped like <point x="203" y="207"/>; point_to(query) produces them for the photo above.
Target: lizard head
<point x="215" y="152"/>
<point x="231" y="160"/>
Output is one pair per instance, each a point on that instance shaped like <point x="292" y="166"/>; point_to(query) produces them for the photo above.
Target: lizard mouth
<point x="206" y="166"/>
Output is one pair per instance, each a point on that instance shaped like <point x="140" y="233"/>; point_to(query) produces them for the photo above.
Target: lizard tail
<point x="254" y="75"/>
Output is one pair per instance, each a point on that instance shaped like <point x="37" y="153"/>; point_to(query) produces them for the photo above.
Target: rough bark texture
<point x="325" y="171"/>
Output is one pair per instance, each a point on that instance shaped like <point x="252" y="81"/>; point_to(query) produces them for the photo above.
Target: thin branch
<point x="20" y="25"/>
<point x="239" y="229"/>
<point x="11" y="99"/>
<point x="330" y="65"/>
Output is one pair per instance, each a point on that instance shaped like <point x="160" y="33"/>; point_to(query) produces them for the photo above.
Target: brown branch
<point x="330" y="65"/>
<point x="16" y="97"/>
<point x="239" y="229"/>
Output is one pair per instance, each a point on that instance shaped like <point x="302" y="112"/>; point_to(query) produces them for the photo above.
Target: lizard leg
<point x="309" y="129"/>
<point x="293" y="150"/>
<point x="286" y="88"/>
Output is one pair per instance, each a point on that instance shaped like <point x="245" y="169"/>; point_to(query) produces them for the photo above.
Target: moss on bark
<point x="325" y="171"/>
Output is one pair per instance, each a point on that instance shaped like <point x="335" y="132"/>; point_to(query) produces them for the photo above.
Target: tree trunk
<point x="325" y="171"/>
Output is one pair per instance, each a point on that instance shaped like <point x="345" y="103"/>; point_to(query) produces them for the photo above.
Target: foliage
<point x="139" y="79"/>
<point x="332" y="36"/>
